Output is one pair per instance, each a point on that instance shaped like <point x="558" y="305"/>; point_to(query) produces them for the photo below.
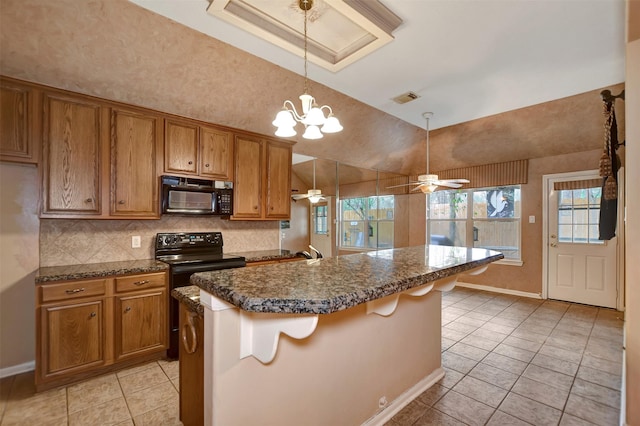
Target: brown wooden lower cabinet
<point x="87" y="327"/>
<point x="191" y="368"/>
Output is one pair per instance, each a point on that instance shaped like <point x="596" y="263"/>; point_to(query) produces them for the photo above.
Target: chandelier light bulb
<point x="332" y="125"/>
<point x="312" y="132"/>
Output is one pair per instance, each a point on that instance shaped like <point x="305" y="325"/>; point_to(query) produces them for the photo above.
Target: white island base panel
<point x="356" y="366"/>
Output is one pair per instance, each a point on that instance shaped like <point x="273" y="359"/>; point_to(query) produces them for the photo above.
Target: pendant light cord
<point x="306" y="88"/>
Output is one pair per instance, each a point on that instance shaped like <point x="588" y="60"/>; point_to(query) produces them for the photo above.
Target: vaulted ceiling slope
<point x="115" y="49"/>
<point x="466" y="59"/>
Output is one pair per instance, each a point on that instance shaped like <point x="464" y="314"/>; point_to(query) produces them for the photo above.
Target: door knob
<point x="553" y="245"/>
<point x="553" y="236"/>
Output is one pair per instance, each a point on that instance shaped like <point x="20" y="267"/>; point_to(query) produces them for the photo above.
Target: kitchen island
<point x="342" y="341"/>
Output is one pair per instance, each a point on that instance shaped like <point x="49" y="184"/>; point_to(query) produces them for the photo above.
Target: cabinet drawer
<point x="73" y="290"/>
<point x="140" y="282"/>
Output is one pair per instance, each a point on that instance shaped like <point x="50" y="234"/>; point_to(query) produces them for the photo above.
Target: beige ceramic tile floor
<point x="520" y="361"/>
<point x="508" y="361"/>
<point x="142" y="395"/>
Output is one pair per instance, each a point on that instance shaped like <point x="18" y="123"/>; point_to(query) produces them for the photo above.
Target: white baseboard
<point x="499" y="290"/>
<point x="17" y="369"/>
<point x="404" y="399"/>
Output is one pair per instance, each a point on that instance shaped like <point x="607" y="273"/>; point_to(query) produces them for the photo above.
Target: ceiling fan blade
<point x="447" y="184"/>
<point x="455" y="180"/>
<point x="406" y="184"/>
<point x="299" y="196"/>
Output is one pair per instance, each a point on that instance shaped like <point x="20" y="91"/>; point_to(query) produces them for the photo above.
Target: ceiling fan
<point x="314" y="195"/>
<point x="428" y="183"/>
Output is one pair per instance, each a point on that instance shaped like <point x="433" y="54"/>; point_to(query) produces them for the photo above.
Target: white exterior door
<point x="580" y="267"/>
<point x="320" y="221"/>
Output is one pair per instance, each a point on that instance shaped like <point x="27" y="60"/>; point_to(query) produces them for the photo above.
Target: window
<point x="484" y="217"/>
<point x="320" y="219"/>
<point x="579" y="215"/>
<point x="367" y="222"/>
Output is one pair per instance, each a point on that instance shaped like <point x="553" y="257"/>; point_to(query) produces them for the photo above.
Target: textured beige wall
<point x="18" y="265"/>
<point x="632" y="240"/>
<point x="116" y="50"/>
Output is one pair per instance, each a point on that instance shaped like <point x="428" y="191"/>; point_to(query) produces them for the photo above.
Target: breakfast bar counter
<point x="346" y="340"/>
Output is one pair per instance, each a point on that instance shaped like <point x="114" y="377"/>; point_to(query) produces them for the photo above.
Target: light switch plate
<point x="135" y="241"/>
<point x="532" y="219"/>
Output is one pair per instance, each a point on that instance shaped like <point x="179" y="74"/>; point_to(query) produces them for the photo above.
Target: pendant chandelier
<point x="312" y="116"/>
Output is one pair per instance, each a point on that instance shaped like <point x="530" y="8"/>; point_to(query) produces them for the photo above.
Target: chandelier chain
<point x="306" y="88"/>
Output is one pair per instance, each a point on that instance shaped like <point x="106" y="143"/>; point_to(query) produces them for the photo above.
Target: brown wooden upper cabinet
<point x="99" y="160"/>
<point x="18" y="114"/>
<point x="262" y="179"/>
<point x="192" y="148"/>
<point x="134" y="154"/>
<point x="72" y="156"/>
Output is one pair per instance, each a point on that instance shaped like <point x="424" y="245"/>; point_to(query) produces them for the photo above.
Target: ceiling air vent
<point x="405" y="97"/>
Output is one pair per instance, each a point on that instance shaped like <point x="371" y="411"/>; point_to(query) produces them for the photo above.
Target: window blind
<point x="490" y="175"/>
<point x="577" y="184"/>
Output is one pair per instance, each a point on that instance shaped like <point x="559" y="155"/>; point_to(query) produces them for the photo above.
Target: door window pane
<point x="320" y="220"/>
<point x="579" y="216"/>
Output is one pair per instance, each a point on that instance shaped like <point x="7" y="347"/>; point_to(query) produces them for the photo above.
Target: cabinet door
<point x="216" y="154"/>
<point x="16" y="115"/>
<point x="181" y="147"/>
<point x="71" y="158"/>
<point x="134" y="178"/>
<point x="247" y="196"/>
<point x="191" y="368"/>
<point x="278" y="164"/>
<point x="73" y="336"/>
<point x="141" y="323"/>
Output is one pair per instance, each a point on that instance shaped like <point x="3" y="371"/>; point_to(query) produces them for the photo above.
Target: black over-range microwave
<point x="187" y="196"/>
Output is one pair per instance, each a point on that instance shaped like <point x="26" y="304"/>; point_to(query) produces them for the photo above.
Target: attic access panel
<point x="339" y="31"/>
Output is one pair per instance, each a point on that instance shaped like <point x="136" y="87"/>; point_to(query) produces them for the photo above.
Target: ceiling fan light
<point x="284" y="119"/>
<point x="314" y="199"/>
<point x="312" y="132"/>
<point x="428" y="189"/>
<point x="332" y="125"/>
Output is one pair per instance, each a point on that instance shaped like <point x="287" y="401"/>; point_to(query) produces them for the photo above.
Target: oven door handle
<point x="181" y="269"/>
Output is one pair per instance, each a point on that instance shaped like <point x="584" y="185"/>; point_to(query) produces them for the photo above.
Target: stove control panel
<point x="189" y="239"/>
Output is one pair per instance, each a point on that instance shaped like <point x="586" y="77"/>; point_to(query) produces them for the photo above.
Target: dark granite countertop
<point x="97" y="270"/>
<point x="322" y="286"/>
<point x="265" y="255"/>
<point x="190" y="296"/>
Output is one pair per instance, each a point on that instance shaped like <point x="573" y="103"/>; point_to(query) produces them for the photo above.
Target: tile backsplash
<point x="71" y="242"/>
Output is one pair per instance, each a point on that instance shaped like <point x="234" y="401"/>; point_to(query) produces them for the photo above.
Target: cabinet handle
<point x="121" y="202"/>
<point x="127" y="309"/>
<point x="74" y="291"/>
<point x="88" y="200"/>
<point x="141" y="282"/>
<point x="189" y="326"/>
<point x="190" y="162"/>
<point x="206" y="165"/>
<point x="255" y="207"/>
<point x="92" y="315"/>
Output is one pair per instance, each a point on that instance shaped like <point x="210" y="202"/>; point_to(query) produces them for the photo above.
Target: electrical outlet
<point x="135" y="241"/>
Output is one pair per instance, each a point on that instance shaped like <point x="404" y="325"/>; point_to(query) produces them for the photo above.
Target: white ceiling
<point x="465" y="59"/>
